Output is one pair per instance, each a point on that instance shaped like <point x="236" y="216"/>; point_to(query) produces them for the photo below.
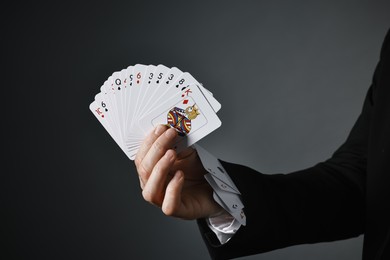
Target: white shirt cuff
<point x="224" y="226"/>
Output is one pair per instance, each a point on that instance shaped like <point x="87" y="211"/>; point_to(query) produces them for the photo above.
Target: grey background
<point x="290" y="75"/>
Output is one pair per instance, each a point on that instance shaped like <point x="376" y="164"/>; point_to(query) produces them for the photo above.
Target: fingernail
<point x="159" y="129"/>
<point x="178" y="176"/>
<point x="171" y="133"/>
<point x="169" y="154"/>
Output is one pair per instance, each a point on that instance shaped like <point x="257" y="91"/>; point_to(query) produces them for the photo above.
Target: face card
<point x="125" y="89"/>
<point x="182" y="114"/>
<point x="188" y="112"/>
<point x="134" y="100"/>
<point x="116" y="84"/>
<point x="100" y="110"/>
<point x="177" y="85"/>
<point x="187" y="79"/>
<point x="184" y="81"/>
<point x="108" y="97"/>
<point x="164" y="78"/>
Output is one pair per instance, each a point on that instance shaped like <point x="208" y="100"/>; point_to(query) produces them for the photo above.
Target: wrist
<point x="218" y="213"/>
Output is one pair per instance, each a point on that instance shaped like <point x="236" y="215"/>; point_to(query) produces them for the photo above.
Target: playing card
<point x="188" y="112"/>
<point x="180" y="83"/>
<point x="155" y="80"/>
<point x="229" y="201"/>
<point x="213" y="166"/>
<point x="101" y="113"/>
<point x="187" y="79"/>
<point x="129" y="78"/>
<point x="158" y="95"/>
<point x="149" y="74"/>
<point x="108" y="97"/>
<point x="134" y="100"/>
<point x="102" y="99"/>
<point x="115" y="82"/>
<point x="137" y="80"/>
<point x="239" y="215"/>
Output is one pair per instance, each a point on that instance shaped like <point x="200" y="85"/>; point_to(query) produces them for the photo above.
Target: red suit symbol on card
<point x="138" y="77"/>
<point x="185" y="94"/>
<point x="100" y="113"/>
<point x="180" y="119"/>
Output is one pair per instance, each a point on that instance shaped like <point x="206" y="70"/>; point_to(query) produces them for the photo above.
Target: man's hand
<point x="174" y="182"/>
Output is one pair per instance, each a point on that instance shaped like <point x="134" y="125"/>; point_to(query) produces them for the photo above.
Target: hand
<point x="174" y="182"/>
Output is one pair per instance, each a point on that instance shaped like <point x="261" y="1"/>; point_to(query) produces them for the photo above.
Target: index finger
<point x="157" y="150"/>
<point x="148" y="142"/>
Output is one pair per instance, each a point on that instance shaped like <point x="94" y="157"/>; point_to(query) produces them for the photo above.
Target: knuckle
<point x="141" y="185"/>
<point x="142" y="172"/>
<point x="149" y="139"/>
<point x="147" y="195"/>
<point x="137" y="161"/>
<point x="161" y="168"/>
<point x="151" y="197"/>
<point x="158" y="147"/>
<point x="158" y="169"/>
<point x="169" y="210"/>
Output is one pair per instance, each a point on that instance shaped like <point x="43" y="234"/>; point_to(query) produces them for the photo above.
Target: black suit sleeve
<point x="318" y="204"/>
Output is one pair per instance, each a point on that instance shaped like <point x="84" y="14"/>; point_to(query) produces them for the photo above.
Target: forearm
<point x="308" y="206"/>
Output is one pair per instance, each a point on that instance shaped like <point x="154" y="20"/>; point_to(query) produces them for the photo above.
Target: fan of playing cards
<point x="136" y="99"/>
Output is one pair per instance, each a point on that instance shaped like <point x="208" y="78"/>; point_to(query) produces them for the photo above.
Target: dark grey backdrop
<point x="290" y="75"/>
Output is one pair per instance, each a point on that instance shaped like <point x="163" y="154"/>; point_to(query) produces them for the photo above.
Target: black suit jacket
<point x="343" y="197"/>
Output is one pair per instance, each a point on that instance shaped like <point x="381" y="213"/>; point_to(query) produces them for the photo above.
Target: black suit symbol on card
<point x="159" y="77"/>
<point x="180" y="83"/>
<point x="118" y="82"/>
<point x="104" y="106"/>
<point x="170" y="78"/>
